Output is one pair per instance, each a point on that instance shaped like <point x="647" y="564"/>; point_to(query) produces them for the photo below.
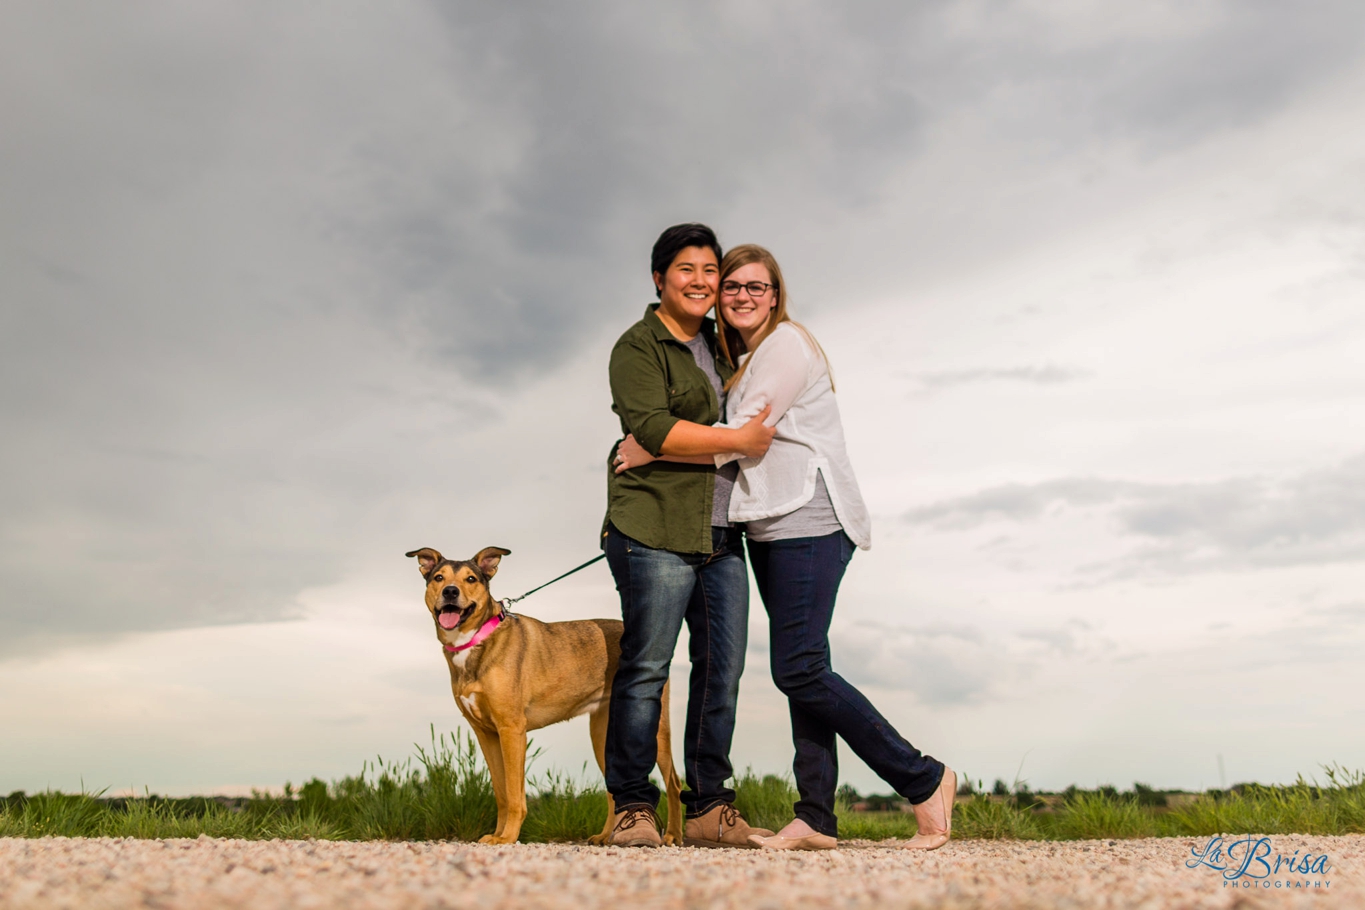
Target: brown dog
<point x="511" y="674"/>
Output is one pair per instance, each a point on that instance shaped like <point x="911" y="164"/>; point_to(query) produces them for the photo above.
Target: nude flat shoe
<point x="815" y="841"/>
<point x="945" y="794"/>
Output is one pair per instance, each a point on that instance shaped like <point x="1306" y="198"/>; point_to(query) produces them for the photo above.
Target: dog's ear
<point x="488" y="558"/>
<point x="427" y="558"/>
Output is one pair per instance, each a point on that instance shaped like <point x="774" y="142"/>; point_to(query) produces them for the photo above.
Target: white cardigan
<point x="789" y="372"/>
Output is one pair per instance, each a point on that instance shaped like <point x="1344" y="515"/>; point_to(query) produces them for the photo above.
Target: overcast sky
<point x="284" y="295"/>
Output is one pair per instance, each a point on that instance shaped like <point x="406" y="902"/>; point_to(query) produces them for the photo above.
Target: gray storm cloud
<point x="946" y="664"/>
<point x="264" y="272"/>
<point x="1313" y="518"/>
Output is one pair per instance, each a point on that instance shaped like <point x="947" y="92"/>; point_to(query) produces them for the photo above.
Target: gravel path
<point x="207" y="873"/>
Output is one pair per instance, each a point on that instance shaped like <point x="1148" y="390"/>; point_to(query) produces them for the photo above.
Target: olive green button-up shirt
<point x="655" y="382"/>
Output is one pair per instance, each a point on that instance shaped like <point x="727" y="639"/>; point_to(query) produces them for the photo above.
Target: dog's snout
<point x="450" y="593"/>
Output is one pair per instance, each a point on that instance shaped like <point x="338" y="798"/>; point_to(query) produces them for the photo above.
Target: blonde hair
<point x="731" y="342"/>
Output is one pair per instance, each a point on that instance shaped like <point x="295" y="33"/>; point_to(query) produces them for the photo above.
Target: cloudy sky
<point x="285" y="294"/>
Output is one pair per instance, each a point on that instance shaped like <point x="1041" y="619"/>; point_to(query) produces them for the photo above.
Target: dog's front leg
<point x="597" y="728"/>
<point x="491" y="745"/>
<point x="513" y="741"/>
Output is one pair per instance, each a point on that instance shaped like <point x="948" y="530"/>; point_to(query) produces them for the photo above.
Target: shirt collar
<point x="661" y="332"/>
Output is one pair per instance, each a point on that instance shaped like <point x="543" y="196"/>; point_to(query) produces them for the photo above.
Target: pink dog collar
<point x="489" y="626"/>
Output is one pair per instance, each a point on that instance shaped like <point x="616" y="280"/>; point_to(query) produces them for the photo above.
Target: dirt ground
<point x="207" y="873"/>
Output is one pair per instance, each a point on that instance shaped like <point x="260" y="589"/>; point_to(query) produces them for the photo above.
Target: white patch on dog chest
<point x="458" y="658"/>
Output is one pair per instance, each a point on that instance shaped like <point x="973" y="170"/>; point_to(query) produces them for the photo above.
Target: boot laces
<point x="633" y="817"/>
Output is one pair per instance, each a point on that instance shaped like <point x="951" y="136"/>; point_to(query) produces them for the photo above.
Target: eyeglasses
<point x="755" y="288"/>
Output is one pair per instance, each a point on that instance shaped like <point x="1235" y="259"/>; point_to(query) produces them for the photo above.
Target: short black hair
<point x="678" y="238"/>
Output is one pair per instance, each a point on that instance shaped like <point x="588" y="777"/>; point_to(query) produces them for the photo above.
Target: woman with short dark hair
<point x="674" y="553"/>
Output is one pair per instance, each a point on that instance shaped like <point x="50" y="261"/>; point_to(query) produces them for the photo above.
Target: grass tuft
<point x="765" y="802"/>
<point x="1091" y="816"/>
<point x="53" y="814"/>
<point x="994" y="819"/>
<point x="563" y="810"/>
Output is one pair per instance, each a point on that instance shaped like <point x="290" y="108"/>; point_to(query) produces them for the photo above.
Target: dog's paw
<point x="598" y="840"/>
<point x="495" y="839"/>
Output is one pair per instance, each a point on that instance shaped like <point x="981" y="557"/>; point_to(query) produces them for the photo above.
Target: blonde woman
<point x="804" y="517"/>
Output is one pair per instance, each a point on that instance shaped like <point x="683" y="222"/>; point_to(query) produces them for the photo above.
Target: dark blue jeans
<point x="660" y="590"/>
<point x="798" y="580"/>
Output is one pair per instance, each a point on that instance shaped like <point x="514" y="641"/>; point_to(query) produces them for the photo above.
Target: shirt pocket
<point x="690" y="401"/>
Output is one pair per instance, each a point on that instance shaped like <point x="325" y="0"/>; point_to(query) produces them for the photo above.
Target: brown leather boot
<point x="636" y="826"/>
<point x="722" y="826"/>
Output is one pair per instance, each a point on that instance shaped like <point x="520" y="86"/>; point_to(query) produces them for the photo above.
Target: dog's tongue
<point x="449" y="619"/>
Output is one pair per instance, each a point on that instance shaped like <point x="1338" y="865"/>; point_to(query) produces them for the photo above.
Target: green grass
<point x="565" y="810"/>
<point x="1090" y="816"/>
<point x="443" y="793"/>
<point x="765" y="802"/>
<point x="1300" y="808"/>
<point x="988" y="819"/>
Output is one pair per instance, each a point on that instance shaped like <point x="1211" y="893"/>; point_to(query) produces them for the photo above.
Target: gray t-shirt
<point x="815" y="519"/>
<point x="725" y="475"/>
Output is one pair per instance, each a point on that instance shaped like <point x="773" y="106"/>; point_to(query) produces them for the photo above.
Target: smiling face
<point x="457" y="591"/>
<point x="687" y="291"/>
<point x="746" y="312"/>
